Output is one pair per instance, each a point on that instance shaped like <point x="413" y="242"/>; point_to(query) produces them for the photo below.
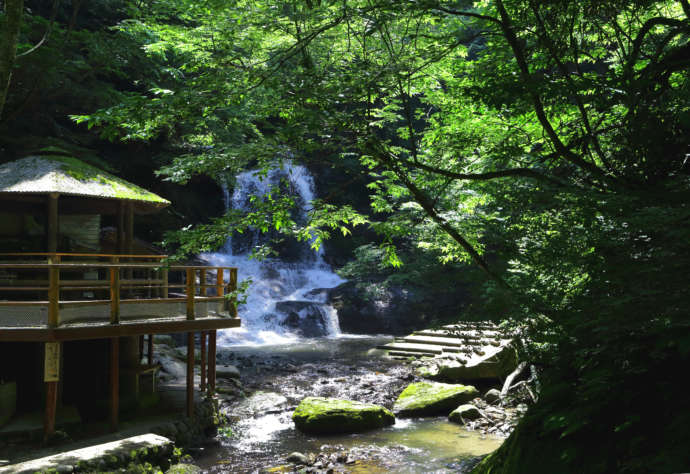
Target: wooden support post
<point x="141" y="347"/>
<point x="52" y="229"/>
<point x="51" y="376"/>
<point x="114" y="293"/>
<point x="202" y="348"/>
<point x="51" y="408"/>
<point x="164" y="277"/>
<point x="129" y="240"/>
<point x="149" y="357"/>
<point x="114" y="382"/>
<point x="212" y="362"/>
<point x="190" y="374"/>
<point x="120" y="228"/>
<point x="191" y="289"/>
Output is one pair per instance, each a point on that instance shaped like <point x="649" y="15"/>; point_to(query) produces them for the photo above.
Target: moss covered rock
<point x="432" y="398"/>
<point x="320" y="415"/>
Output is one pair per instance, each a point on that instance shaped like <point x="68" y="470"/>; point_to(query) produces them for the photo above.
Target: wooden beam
<point x="52" y="223"/>
<point x="149" y="357"/>
<point x="190" y="374"/>
<point x="202" y="348"/>
<point x="114" y="330"/>
<point x="212" y="361"/>
<point x="129" y="227"/>
<point x="114" y="382"/>
<point x="120" y="228"/>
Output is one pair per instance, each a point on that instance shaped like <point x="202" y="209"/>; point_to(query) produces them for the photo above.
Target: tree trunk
<point x="9" y="35"/>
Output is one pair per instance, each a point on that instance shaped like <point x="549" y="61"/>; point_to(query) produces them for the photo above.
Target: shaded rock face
<point x="432" y="398"/>
<point x="306" y="318"/>
<point x="318" y="415"/>
<point x="393" y="310"/>
<point x="464" y="413"/>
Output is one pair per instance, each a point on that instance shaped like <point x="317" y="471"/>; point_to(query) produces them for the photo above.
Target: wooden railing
<point x="96" y="288"/>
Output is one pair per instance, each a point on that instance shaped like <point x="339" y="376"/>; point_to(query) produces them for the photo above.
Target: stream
<point x="290" y="347"/>
<point x="275" y="378"/>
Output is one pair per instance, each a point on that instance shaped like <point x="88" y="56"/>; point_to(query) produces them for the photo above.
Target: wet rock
<point x="489" y="362"/>
<point x="307" y="318"/>
<point x="432" y="398"/>
<point x="260" y="403"/>
<point x="298" y="458"/>
<point x="320" y="415"/>
<point x="227" y="372"/>
<point x="464" y="413"/>
<point x="492" y="396"/>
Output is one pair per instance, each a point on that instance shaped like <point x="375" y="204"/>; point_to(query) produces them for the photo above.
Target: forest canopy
<point x="544" y="142"/>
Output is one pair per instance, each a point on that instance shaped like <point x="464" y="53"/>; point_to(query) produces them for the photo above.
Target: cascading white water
<point x="286" y="300"/>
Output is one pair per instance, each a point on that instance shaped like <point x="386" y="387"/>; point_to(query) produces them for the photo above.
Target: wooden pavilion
<point x="64" y="304"/>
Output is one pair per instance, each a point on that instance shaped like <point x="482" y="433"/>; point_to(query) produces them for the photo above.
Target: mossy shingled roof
<point x="69" y="176"/>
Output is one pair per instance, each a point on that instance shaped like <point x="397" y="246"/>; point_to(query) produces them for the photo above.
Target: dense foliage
<point x="544" y="142"/>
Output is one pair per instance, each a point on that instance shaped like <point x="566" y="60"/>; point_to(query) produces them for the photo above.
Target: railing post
<point x="164" y="277"/>
<point x="191" y="289"/>
<point x="232" y="286"/>
<point x="114" y="292"/>
<point x="202" y="282"/>
<point x="54" y="291"/>
<point x="220" y="288"/>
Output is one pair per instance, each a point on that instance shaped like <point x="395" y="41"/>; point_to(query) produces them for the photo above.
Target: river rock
<point x="227" y="372"/>
<point x="463" y="413"/>
<point x="432" y="398"/>
<point x="492" y="396"/>
<point x="183" y="469"/>
<point x="320" y="415"/>
<point x="298" y="458"/>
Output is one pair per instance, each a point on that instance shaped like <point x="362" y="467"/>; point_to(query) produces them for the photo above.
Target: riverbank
<point x="260" y="396"/>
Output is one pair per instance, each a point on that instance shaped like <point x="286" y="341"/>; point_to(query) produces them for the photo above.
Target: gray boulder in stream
<point x="318" y="415"/>
<point x="432" y="398"/>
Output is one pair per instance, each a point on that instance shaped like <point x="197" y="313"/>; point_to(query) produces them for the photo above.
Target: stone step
<point x="407" y="347"/>
<point x="405" y="354"/>
<point x="443" y="341"/>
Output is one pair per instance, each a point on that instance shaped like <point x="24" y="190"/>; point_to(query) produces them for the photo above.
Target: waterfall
<point x="287" y="298"/>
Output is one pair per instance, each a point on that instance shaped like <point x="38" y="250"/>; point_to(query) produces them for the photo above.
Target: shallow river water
<point x="274" y="380"/>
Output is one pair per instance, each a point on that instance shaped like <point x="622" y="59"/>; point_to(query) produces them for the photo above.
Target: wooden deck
<point x="60" y="296"/>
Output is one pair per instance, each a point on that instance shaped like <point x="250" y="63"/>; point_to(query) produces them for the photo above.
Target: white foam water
<point x="286" y="301"/>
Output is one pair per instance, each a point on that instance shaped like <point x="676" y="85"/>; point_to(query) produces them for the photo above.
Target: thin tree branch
<point x="53" y="14"/>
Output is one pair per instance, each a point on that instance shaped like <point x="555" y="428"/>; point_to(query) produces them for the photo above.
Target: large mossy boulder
<point x="432" y="398"/>
<point x="318" y="415"/>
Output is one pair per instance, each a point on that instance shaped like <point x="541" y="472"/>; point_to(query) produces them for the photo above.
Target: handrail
<point x="124" y="282"/>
